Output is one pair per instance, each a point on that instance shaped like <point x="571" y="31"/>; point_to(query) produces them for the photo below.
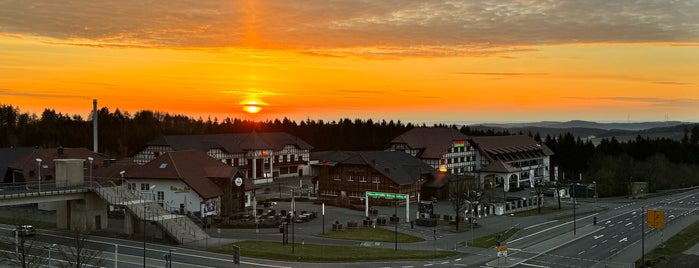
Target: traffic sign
<point x="656" y="219"/>
<point x="502" y="248"/>
<point x="386" y="195"/>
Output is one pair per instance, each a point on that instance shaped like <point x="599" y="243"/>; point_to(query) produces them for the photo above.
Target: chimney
<point x="60" y="150"/>
<point x="94" y="124"/>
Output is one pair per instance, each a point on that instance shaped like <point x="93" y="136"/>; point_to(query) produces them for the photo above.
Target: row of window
<point x="461" y="159"/>
<point x="361" y="178"/>
<point x="460" y="149"/>
<point x="276" y="159"/>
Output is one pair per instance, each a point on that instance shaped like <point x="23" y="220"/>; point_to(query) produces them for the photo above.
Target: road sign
<point x="502" y="251"/>
<point x="656" y="219"/>
<point x="386" y="195"/>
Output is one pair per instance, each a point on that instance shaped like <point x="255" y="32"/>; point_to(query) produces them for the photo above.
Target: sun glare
<point x="252" y="107"/>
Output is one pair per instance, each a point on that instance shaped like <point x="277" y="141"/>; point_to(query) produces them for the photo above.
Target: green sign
<point x="386" y="195"/>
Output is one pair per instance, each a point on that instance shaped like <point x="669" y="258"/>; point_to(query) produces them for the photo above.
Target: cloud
<point x="671" y="83"/>
<point x="382" y="29"/>
<point x="501" y="74"/>
<point x="9" y="92"/>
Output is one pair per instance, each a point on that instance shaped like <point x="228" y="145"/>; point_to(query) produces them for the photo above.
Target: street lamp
<point x="595" y="185"/>
<point x="168" y="258"/>
<point x="121" y="173"/>
<point x="152" y="187"/>
<point x="38" y="171"/>
<point x="89" y="158"/>
<point x="52" y="246"/>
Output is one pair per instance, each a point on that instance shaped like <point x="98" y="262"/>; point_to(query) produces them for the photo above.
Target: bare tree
<point x="464" y="192"/>
<point x="79" y="255"/>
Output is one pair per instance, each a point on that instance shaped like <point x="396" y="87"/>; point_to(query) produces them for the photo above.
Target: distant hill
<point x="590" y="125"/>
<point x="595" y="131"/>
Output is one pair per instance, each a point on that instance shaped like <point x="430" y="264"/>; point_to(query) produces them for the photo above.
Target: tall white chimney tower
<point x="94" y="124"/>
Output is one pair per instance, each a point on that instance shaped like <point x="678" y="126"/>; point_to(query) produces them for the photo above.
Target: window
<point x="161" y="197"/>
<point x="376" y="179"/>
<point x="156" y="154"/>
<point x="336" y="177"/>
<point x="145" y="186"/>
<point x="131" y="186"/>
<point x="362" y="178"/>
<point x="350" y="178"/>
<point x="293" y="158"/>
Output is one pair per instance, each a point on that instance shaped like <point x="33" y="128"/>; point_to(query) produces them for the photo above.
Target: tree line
<point x="612" y="164"/>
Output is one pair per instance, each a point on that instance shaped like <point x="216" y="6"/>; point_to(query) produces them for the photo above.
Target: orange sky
<point x="328" y="62"/>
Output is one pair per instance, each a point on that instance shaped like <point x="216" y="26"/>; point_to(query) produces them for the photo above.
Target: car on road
<point x="24" y="230"/>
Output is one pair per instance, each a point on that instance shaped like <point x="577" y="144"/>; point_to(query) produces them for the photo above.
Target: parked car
<point x="24" y="230"/>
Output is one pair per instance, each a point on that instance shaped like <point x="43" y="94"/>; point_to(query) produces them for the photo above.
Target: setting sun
<point x="252" y="107"/>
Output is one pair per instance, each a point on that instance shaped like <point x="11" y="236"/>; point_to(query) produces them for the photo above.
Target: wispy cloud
<point x="502" y="74"/>
<point x="671" y="83"/>
<point x="402" y="28"/>
<point x="9" y="92"/>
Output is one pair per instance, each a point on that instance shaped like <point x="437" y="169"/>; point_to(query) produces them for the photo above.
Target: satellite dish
<point x="238" y="181"/>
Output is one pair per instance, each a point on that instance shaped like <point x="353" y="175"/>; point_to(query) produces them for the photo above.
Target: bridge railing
<point x="41" y="188"/>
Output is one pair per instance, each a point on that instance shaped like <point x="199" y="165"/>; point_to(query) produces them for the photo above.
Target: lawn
<point x="685" y="239"/>
<point x="326" y="253"/>
<point x="372" y="234"/>
<point x="489" y="240"/>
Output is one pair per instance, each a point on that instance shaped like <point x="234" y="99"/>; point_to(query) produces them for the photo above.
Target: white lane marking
<point x="624" y="239"/>
<point x="598" y="236"/>
<point x="459" y="259"/>
<point x="532" y="265"/>
<point x="605" y="241"/>
<point x="607" y="222"/>
<point x="551" y="228"/>
<point x="581" y="252"/>
<point x="628" y="224"/>
<point x="535" y="225"/>
<point x="615" y="236"/>
<point x="593" y="246"/>
<point x="429" y="264"/>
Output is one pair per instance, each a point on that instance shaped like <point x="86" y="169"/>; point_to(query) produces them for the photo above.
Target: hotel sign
<point x="386" y="195"/>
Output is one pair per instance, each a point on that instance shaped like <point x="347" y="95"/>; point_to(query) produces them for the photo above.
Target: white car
<point x="24" y="230"/>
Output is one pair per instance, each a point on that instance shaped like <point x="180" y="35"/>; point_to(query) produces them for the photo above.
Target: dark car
<point x="24" y="230"/>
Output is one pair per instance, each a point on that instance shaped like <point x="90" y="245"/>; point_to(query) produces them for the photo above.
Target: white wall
<point x="175" y="193"/>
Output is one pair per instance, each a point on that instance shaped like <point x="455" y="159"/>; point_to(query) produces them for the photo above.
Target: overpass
<point x="82" y="205"/>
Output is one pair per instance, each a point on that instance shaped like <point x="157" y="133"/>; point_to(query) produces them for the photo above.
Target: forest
<point x="664" y="163"/>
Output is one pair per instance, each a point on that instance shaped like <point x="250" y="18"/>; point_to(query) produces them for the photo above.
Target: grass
<point x="535" y="212"/>
<point x="372" y="234"/>
<point x="685" y="239"/>
<point x="489" y="240"/>
<point x="326" y="253"/>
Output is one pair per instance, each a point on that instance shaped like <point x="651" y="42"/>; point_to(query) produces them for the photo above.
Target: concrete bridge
<point x="84" y="206"/>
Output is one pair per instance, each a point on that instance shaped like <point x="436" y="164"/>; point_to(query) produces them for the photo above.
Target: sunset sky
<point x="414" y="61"/>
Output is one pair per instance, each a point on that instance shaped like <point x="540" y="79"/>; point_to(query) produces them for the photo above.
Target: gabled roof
<point x="10" y="155"/>
<point x="232" y="142"/>
<point x="510" y="147"/>
<point x="193" y="167"/>
<point x="499" y="167"/>
<point x="400" y="167"/>
<point x="432" y="142"/>
<point x="28" y="164"/>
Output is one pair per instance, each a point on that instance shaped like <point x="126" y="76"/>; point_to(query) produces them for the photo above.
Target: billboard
<point x="208" y="208"/>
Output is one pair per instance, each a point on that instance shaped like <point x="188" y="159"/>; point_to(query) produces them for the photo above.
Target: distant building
<point x="260" y="156"/>
<point x="493" y="159"/>
<point x="190" y="182"/>
<point x="445" y="149"/>
<point x="512" y="161"/>
<point x="349" y="175"/>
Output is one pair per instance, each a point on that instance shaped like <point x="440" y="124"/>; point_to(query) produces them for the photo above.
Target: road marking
<point x="624" y="239"/>
<point x="593" y="246"/>
<point x="598" y="236"/>
<point x="615" y="236"/>
<point x="550" y="228"/>
<point x="608" y="222"/>
<point x="444" y="262"/>
<point x="628" y="224"/>
<point x="581" y="252"/>
<point x="533" y="265"/>
<point x="410" y="266"/>
<point x="535" y="225"/>
<point x="605" y="241"/>
<point x="429" y="264"/>
<point x="459" y="259"/>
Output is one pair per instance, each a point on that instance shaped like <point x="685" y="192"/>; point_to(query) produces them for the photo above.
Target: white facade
<point x="173" y="195"/>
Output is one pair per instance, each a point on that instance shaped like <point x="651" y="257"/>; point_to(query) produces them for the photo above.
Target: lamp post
<point x="168" y="258"/>
<point x="89" y="158"/>
<point x="152" y="187"/>
<point x="50" y="247"/>
<point x="293" y="210"/>
<point x="595" y="185"/>
<point x="395" y="221"/>
<point x="121" y="173"/>
<point x="38" y="171"/>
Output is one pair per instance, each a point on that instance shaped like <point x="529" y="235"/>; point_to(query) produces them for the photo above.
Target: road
<point x="541" y="242"/>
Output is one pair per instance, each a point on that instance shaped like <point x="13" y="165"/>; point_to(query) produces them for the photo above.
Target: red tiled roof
<point x="499" y="167"/>
<point x="514" y="147"/>
<point x="432" y="142"/>
<point x="193" y="167"/>
<point x="28" y="164"/>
